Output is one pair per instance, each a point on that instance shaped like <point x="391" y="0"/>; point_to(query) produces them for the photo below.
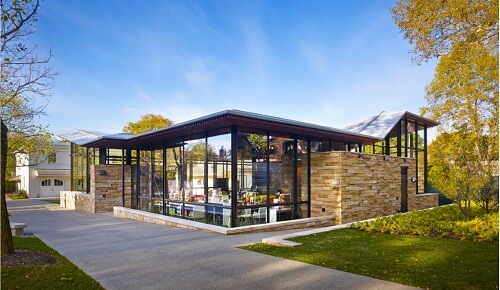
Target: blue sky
<point x="324" y="62"/>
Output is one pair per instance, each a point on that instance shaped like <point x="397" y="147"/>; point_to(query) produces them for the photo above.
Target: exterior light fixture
<point x="413" y="179"/>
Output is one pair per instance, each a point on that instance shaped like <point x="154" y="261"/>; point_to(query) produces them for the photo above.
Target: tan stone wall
<point x="325" y="184"/>
<point x="107" y="189"/>
<point x="77" y="200"/>
<point x="353" y="188"/>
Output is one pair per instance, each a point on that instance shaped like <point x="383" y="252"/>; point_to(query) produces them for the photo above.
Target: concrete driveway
<point x="126" y="254"/>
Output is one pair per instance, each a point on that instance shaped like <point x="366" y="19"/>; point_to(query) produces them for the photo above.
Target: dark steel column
<point x="406" y="137"/>
<point x="398" y="145"/>
<point x="234" y="174"/>
<point x="183" y="176"/>
<point x="151" y="175"/>
<point x="138" y="179"/>
<point x="102" y="155"/>
<point x="72" y="164"/>
<point x="163" y="174"/>
<point x="123" y="176"/>
<point x="308" y="176"/>
<point x="295" y="179"/>
<point x="128" y="154"/>
<point x="268" y="178"/>
<point x="205" y="173"/>
<point x="416" y="154"/>
<point x="387" y="146"/>
<point x="426" y="186"/>
<point x="87" y="165"/>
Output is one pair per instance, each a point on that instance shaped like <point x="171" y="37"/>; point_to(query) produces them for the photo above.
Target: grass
<point x="16" y="196"/>
<point x="62" y="275"/>
<point x="433" y="263"/>
<point x="424" y="259"/>
<point x="53" y="200"/>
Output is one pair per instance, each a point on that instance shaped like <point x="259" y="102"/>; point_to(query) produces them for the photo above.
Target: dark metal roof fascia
<point x="226" y="114"/>
<point x="297" y="123"/>
<point x="430" y="123"/>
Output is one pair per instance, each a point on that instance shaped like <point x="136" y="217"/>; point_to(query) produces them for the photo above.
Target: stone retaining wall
<point x="77" y="200"/>
<point x="354" y="187"/>
<point x="105" y="190"/>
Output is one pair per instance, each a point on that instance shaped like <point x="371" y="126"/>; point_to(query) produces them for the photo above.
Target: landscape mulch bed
<point x="22" y="257"/>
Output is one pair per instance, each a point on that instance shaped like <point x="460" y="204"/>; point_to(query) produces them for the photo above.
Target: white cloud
<point x="256" y="49"/>
<point x="199" y="74"/>
<point x="312" y="52"/>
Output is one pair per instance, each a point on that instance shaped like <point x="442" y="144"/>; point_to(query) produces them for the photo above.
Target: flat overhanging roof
<point x="218" y="123"/>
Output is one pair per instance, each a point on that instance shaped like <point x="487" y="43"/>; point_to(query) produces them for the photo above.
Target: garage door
<point x="51" y="187"/>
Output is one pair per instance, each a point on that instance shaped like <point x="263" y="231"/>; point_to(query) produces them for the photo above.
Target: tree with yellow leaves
<point x="463" y="96"/>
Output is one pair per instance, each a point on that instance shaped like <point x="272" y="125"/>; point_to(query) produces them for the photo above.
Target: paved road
<point x="126" y="254"/>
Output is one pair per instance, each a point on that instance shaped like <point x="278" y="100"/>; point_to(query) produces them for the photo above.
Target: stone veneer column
<point x="107" y="189"/>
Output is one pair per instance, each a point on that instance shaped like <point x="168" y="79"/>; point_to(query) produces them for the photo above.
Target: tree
<point x="26" y="80"/>
<point x="196" y="152"/>
<point x="150" y="122"/>
<point x="7" y="243"/>
<point x="463" y="96"/>
<point x="25" y="84"/>
<point x="147" y="122"/>
<point x="433" y="27"/>
<point x="459" y="173"/>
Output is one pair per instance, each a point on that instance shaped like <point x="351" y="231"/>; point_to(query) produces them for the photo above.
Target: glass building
<point x="233" y="168"/>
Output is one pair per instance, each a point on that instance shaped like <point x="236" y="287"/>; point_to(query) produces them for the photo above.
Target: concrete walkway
<point x="126" y="254"/>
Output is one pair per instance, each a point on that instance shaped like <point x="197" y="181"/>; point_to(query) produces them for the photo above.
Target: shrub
<point x="444" y="221"/>
<point x="23" y="193"/>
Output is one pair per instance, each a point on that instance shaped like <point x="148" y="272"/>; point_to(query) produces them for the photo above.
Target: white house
<point x="47" y="178"/>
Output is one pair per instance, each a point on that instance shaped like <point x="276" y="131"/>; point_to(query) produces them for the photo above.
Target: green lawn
<point x="434" y="263"/>
<point x="53" y="200"/>
<point x="435" y="249"/>
<point x="62" y="275"/>
<point x="15" y="196"/>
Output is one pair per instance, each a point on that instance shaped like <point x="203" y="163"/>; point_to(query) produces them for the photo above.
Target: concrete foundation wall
<point x="354" y="187"/>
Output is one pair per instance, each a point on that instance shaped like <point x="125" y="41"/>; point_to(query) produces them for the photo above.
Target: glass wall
<point x="281" y="178"/>
<point x="144" y="187"/>
<point x="80" y="165"/>
<point x="271" y="177"/>
<point x="174" y="175"/>
<point x="219" y="180"/>
<point x="199" y="180"/>
<point x="252" y="179"/>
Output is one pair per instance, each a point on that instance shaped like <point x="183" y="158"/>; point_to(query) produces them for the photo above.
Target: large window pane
<point x="281" y="178"/>
<point x="80" y="166"/>
<point x="252" y="179"/>
<point x="174" y="181"/>
<point x="173" y="174"/>
<point x="302" y="168"/>
<point x="194" y="184"/>
<point x="219" y="180"/>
